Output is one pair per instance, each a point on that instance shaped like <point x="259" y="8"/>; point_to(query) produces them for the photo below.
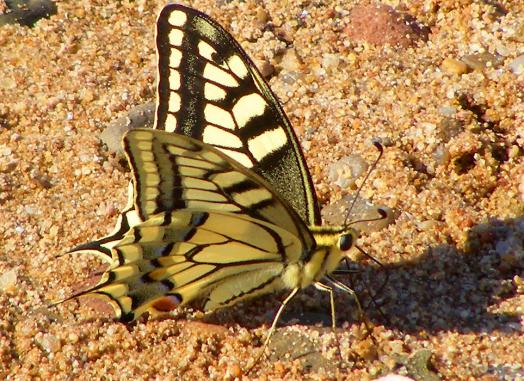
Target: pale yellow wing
<point x="176" y="257"/>
<point x="173" y="172"/>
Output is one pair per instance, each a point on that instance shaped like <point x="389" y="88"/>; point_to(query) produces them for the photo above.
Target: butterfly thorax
<point x="332" y="245"/>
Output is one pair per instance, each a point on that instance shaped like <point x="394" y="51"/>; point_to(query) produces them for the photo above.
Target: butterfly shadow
<point x="448" y="289"/>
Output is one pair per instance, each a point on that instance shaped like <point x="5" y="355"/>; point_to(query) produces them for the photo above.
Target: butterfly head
<point x="346" y="240"/>
<point x="345" y="244"/>
<point x="333" y="244"/>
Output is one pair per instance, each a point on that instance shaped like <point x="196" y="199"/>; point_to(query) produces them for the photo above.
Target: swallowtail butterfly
<point x="222" y="206"/>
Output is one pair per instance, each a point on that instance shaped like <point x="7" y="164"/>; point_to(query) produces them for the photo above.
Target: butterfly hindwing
<point x="209" y="89"/>
<point x="102" y="247"/>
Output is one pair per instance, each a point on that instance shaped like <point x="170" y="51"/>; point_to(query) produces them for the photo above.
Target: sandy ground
<point x="452" y="171"/>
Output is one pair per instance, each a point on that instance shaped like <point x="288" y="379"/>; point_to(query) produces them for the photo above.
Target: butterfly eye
<point x="345" y="242"/>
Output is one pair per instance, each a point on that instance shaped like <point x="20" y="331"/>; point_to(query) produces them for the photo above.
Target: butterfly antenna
<point x="373" y="166"/>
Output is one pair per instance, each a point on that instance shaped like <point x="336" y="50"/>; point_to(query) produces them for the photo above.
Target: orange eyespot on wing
<point x="166" y="303"/>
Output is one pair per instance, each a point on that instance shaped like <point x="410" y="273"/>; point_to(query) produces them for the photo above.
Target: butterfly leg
<point x="346" y="289"/>
<point x="272" y="329"/>
<point x="322" y="287"/>
<point x="349" y="291"/>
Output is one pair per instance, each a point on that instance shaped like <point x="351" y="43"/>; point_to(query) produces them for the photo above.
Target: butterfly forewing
<point x="173" y="171"/>
<point x="209" y="89"/>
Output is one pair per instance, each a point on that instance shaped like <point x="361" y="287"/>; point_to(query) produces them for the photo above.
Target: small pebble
<point x="8" y="280"/>
<point x="261" y="17"/>
<point x="382" y="24"/>
<point x="347" y="170"/>
<point x="330" y="61"/>
<point x="50" y="343"/>
<point x="481" y="61"/>
<point x="265" y="68"/>
<point x="517" y="65"/>
<point x="518" y="34"/>
<point x="233" y="371"/>
<point x="291" y="61"/>
<point x="336" y="213"/>
<point x="140" y="116"/>
<point x="453" y="66"/>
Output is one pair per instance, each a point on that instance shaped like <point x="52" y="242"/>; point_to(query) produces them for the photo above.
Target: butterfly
<point x="221" y="204"/>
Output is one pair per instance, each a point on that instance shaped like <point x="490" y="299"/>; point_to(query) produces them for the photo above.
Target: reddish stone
<point x="381" y="24"/>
